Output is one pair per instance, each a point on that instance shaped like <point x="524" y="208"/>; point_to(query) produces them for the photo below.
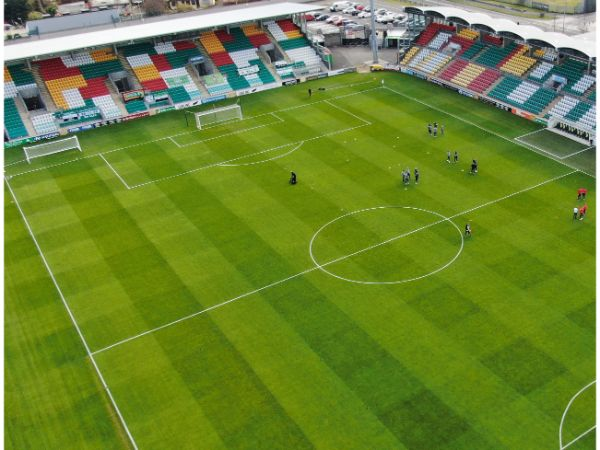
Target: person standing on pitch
<point x="455" y="156"/>
<point x="309" y="92"/>
<point x="429" y="128"/>
<point x="416" y="175"/>
<point x="582" y="211"/>
<point x="581" y="193"/>
<point x="575" y="212"/>
<point x="442" y="130"/>
<point x="293" y="179"/>
<point x="467" y="230"/>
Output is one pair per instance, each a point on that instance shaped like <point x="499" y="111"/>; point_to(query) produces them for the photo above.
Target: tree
<point x="51" y="9"/>
<point x="35" y="15"/>
<point x="154" y="7"/>
<point x="16" y="10"/>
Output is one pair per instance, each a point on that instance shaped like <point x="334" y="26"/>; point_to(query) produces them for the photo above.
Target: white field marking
<point x="585" y="433"/>
<point x="231" y="133"/>
<point x="562" y="419"/>
<point x="533" y="132"/>
<point x="341" y="86"/>
<point x="115" y="172"/>
<point x="311" y="269"/>
<point x="522" y="144"/>
<point x="225" y="163"/>
<point x="322" y="266"/>
<point x="277" y="117"/>
<point x="265" y="160"/>
<point x="547" y="152"/>
<point x="139" y="144"/>
<point x="348" y="112"/>
<point x="72" y="317"/>
<point x="578" y="152"/>
<point x="174" y="141"/>
<point x="19" y="161"/>
<point x="197" y="313"/>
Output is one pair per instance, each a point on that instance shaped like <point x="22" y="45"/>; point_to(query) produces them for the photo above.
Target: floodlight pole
<point x="373" y="32"/>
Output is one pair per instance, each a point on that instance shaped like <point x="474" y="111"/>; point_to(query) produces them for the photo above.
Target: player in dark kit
<point x="429" y="128"/>
<point x="416" y="176"/>
<point x="293" y="179"/>
<point x="310" y="92"/>
<point x="455" y="156"/>
<point x="474" y="167"/>
<point x="467" y="230"/>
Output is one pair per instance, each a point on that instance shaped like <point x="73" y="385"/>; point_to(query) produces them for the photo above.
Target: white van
<point x="339" y="6"/>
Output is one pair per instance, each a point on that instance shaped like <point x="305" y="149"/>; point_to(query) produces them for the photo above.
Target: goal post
<point x="217" y="115"/>
<point x="49" y="148"/>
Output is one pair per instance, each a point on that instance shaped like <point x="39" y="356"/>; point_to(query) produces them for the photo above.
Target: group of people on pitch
<point x="406" y="176"/>
<point x="433" y="129"/>
<point x="579" y="213"/>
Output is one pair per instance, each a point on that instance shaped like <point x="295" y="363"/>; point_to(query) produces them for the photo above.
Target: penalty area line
<point x="316" y="267"/>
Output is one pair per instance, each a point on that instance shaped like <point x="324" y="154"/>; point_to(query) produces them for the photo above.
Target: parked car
<point x="347" y="22"/>
<point x="364" y="14"/>
<point x="338" y="6"/>
<point x="359" y="7"/>
<point x="349" y="10"/>
<point x="380" y="11"/>
<point x="384" y="18"/>
<point x="334" y="19"/>
<point x="309" y="17"/>
<point x="322" y="17"/>
<point x="338" y="21"/>
<point x="356" y="12"/>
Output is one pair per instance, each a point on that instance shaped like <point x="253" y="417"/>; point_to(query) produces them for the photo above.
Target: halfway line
<point x="311" y="269"/>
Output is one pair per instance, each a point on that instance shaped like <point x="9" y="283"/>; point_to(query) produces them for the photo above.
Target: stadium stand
<point x="74" y="79"/>
<point x="236" y="56"/>
<point x="13" y="124"/>
<point x="294" y="44"/>
<point x="517" y="62"/>
<point x="429" y="61"/>
<point x="161" y="68"/>
<point x="469" y="75"/>
<point x="523" y="94"/>
<point x="429" y="33"/>
<point x="44" y="123"/>
<point x="473" y="50"/>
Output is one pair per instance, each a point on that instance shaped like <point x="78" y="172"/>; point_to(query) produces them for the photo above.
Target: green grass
<point x="481" y="351"/>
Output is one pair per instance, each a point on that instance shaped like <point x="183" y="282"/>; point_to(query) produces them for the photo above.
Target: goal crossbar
<point x="217" y="115"/>
<point x="49" y="148"/>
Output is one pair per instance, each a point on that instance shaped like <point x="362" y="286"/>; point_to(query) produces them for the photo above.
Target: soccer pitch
<point x="225" y="308"/>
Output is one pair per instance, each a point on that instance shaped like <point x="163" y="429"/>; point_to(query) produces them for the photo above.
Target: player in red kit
<point x="581" y="193"/>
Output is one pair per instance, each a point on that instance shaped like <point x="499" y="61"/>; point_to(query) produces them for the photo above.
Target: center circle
<point x="337" y="231"/>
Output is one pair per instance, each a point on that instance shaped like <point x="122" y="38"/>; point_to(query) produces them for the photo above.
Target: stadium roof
<point x="527" y="33"/>
<point x="51" y="46"/>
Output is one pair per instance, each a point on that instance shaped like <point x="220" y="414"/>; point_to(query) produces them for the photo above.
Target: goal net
<point x="217" y="115"/>
<point x="49" y="148"/>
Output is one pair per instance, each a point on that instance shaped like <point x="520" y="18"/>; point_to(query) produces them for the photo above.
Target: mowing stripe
<point x="533" y="132"/>
<point x="225" y="163"/>
<point x="578" y="152"/>
<point x="311" y="269"/>
<point x="585" y="433"/>
<point x="115" y="172"/>
<point x="66" y="305"/>
<point x="514" y="141"/>
<point x="562" y="419"/>
<point x="291" y="108"/>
